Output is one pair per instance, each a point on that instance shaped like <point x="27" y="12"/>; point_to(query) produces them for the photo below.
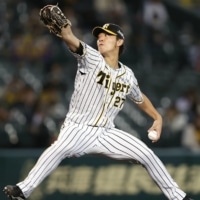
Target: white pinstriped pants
<point x="77" y="140"/>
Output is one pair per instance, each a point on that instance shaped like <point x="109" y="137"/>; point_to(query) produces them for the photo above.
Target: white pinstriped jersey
<point x="100" y="90"/>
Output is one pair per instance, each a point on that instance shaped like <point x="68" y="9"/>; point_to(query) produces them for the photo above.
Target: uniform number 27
<point x="119" y="102"/>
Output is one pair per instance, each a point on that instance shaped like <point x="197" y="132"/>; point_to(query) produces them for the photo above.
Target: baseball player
<point x="102" y="84"/>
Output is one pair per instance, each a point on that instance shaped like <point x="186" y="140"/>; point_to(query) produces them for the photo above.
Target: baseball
<point x="152" y="135"/>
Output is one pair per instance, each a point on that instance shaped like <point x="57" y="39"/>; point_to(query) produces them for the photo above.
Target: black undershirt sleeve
<point x="79" y="50"/>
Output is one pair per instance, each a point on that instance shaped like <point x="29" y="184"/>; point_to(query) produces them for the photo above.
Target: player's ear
<point x="120" y="42"/>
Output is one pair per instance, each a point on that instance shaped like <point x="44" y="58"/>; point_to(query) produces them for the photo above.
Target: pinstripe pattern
<point x="120" y="145"/>
<point x="92" y="103"/>
<point x="99" y="94"/>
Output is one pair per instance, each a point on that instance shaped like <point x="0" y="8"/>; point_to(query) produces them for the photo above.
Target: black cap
<point x="112" y="29"/>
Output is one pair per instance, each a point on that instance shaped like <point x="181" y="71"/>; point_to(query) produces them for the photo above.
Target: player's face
<point x="106" y="43"/>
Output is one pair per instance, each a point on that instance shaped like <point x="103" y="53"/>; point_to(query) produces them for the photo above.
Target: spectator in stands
<point x="12" y="91"/>
<point x="156" y="30"/>
<point x="155" y="14"/>
<point x="189" y="102"/>
<point x="174" y="123"/>
<point x="194" y="54"/>
<point x="38" y="130"/>
<point x="191" y="135"/>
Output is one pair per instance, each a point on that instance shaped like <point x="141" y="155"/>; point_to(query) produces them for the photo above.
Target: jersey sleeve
<point x="89" y="59"/>
<point x="135" y="93"/>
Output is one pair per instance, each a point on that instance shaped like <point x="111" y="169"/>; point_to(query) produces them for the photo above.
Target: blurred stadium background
<point x="37" y="73"/>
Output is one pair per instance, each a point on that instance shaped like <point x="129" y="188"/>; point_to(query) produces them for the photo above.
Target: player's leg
<point x="120" y="145"/>
<point x="67" y="145"/>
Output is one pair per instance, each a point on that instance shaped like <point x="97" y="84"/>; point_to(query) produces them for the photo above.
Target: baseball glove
<point x="54" y="19"/>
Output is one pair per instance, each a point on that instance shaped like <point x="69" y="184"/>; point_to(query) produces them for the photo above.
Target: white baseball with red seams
<point x="152" y="135"/>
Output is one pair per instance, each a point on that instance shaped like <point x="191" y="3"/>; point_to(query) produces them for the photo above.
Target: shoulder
<point x="87" y="50"/>
<point x="130" y="76"/>
<point x="128" y="70"/>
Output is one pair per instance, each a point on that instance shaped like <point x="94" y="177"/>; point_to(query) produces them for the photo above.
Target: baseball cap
<point x="109" y="28"/>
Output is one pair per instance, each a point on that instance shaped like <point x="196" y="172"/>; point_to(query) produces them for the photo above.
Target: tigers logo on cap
<point x="112" y="29"/>
<point x="105" y="26"/>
